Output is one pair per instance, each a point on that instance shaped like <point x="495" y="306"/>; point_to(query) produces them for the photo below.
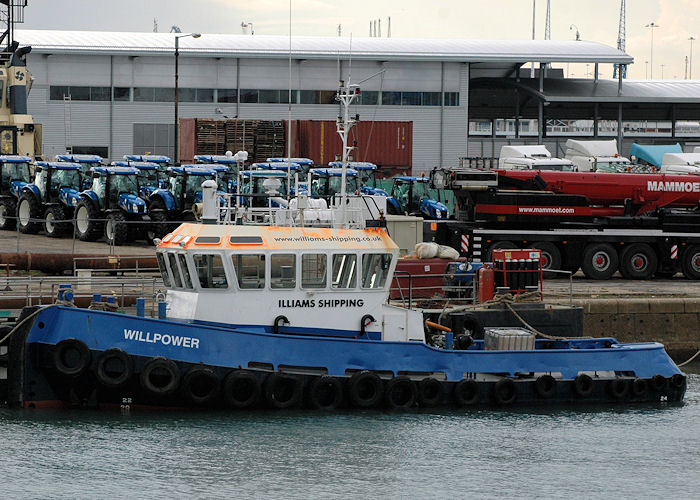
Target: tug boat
<point x="286" y="313"/>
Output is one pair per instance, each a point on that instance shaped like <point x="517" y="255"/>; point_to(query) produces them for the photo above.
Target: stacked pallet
<point x="211" y="136"/>
<point x="269" y="140"/>
<point x="240" y="136"/>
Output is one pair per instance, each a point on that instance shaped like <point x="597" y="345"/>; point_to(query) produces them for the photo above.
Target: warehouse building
<point x="112" y="93"/>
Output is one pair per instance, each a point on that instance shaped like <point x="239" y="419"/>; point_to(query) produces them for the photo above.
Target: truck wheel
<point x="8" y="210"/>
<point x="690" y="262"/>
<point x="87" y="224"/>
<point x="638" y="262"/>
<point x="116" y="229"/>
<point x="52" y="226"/>
<point x="551" y="258"/>
<point x="599" y="261"/>
<point x="496" y="246"/>
<point x="28" y="208"/>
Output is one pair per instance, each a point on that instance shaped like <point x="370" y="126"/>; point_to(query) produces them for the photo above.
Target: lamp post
<point x="177" y="94"/>
<point x="651" y="26"/>
<point x="646" y="70"/>
<point x="245" y="25"/>
<point x="690" y="70"/>
<point x="578" y="35"/>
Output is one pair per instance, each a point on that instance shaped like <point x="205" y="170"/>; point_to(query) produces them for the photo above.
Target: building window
<point x="368" y="98"/>
<point x="227" y="95"/>
<point x="122" y="94"/>
<point x="318" y="97"/>
<point x="431" y="98"/>
<point x="187" y="95"/>
<point x="144" y="94"/>
<point x="410" y="98"/>
<point x="451" y="98"/>
<point x="391" y="98"/>
<point x="249" y="95"/>
<point x="58" y="92"/>
<point x="153" y="138"/>
<point x="164" y="94"/>
<point x="205" y="95"/>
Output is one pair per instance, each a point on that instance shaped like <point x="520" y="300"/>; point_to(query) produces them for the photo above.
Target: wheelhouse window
<point x="187" y="279"/>
<point x="283" y="271"/>
<point x="177" y="279"/>
<point x="375" y="269"/>
<point x="313" y="270"/>
<point x="163" y="270"/>
<point x="250" y="270"/>
<point x="210" y="271"/>
<point x="344" y="273"/>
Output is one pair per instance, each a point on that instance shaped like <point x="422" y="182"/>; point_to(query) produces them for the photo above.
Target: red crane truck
<point x="642" y="225"/>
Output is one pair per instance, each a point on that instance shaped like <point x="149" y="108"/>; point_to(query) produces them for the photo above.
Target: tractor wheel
<point x="159" y="226"/>
<point x="116" y="229"/>
<point x="55" y="224"/>
<point x="8" y="211"/>
<point x="88" y="227"/>
<point x="28" y="213"/>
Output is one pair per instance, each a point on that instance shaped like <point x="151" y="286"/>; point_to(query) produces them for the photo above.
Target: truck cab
<point x="532" y="157"/>
<point x="681" y="163"/>
<point x="597" y="156"/>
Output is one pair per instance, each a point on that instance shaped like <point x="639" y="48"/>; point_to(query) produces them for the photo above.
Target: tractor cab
<point x="117" y="187"/>
<point x="304" y="163"/>
<point x="161" y="160"/>
<point x="294" y="168"/>
<point x="412" y="195"/>
<point x="264" y="188"/>
<point x="366" y="171"/>
<point x="87" y="162"/>
<point x="185" y="185"/>
<point x="150" y="176"/>
<point x="325" y="182"/>
<point x="225" y="180"/>
<point x="14" y="176"/>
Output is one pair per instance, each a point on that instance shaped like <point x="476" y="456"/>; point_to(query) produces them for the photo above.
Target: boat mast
<point x="346" y="94"/>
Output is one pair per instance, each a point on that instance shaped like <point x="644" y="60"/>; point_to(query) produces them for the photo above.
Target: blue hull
<point x="222" y="349"/>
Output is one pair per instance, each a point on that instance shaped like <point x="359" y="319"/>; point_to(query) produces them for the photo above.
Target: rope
<point x="690" y="360"/>
<point x="4" y="339"/>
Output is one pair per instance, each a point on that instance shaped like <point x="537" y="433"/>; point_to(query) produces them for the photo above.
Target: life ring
<point x="504" y="391"/>
<point x="677" y="381"/>
<point x="546" y="386"/>
<point x="400" y="393"/>
<point x="200" y="385"/>
<point x="160" y="376"/>
<point x="241" y="389"/>
<point x="282" y="391"/>
<point x="429" y="392"/>
<point x="71" y="357"/>
<point x="365" y="389"/>
<point x="466" y="392"/>
<point x="325" y="393"/>
<point x="640" y="386"/>
<point x="583" y="385"/>
<point x="658" y="382"/>
<point x="114" y="368"/>
<point x="618" y="388"/>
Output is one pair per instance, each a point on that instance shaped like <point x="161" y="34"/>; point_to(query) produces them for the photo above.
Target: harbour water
<point x="649" y="451"/>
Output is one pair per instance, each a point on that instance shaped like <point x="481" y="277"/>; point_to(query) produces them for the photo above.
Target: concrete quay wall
<point x="675" y="322"/>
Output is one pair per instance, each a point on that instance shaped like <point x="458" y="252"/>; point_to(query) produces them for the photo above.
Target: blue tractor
<point x="305" y="164"/>
<point x="86" y="162"/>
<point x="110" y="205"/>
<point x="52" y="197"/>
<point x="325" y="182"/>
<point x="176" y="202"/>
<point x="263" y="188"/>
<point x="151" y="176"/>
<point x="14" y="175"/>
<point x="367" y="172"/>
<point x="411" y="195"/>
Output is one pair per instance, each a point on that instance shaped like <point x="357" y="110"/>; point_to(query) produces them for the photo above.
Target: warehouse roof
<point x="308" y="47"/>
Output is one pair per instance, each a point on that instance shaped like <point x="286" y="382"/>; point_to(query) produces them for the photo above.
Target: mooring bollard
<point x="140" y="306"/>
<point x="161" y="309"/>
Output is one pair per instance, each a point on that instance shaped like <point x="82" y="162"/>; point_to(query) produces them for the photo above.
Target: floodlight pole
<point x="176" y="132"/>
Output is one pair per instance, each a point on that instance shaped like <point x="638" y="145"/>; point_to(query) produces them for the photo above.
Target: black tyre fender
<point x="618" y="388"/>
<point x="472" y="326"/>
<point x="282" y="391"/>
<point x="160" y="376"/>
<point x="71" y="357"/>
<point x="365" y="389"/>
<point x="638" y="262"/>
<point x="658" y="383"/>
<point x="677" y="381"/>
<point x="583" y="385"/>
<point x="429" y="392"/>
<point x="551" y="258"/>
<point x="200" y="385"/>
<point x="640" y="386"/>
<point x="34" y="205"/>
<point x="690" y="262"/>
<point x="400" y="393"/>
<point x="546" y="386"/>
<point x="114" y="368"/>
<point x="325" y="393"/>
<point x="600" y="261"/>
<point x="241" y="389"/>
<point x="466" y="392"/>
<point x="505" y="391"/>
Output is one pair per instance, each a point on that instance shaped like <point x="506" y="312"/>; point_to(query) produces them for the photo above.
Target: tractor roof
<point x="192" y="170"/>
<point x="264" y="173"/>
<point x="334" y="172"/>
<point x="115" y="170"/>
<point x="14" y="159"/>
<point x="409" y="178"/>
<point x="276" y="166"/>
<point x="214" y="159"/>
<point x="300" y="161"/>
<point x="141" y="165"/>
<point x="80" y="158"/>
<point x="357" y="165"/>
<point x="59" y="165"/>
<point x="213" y="166"/>
<point x="148" y="158"/>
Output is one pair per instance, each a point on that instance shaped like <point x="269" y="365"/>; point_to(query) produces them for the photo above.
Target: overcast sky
<point x="597" y="20"/>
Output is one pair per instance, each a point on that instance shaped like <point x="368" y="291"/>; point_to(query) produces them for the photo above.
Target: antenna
<point x="379" y="24"/>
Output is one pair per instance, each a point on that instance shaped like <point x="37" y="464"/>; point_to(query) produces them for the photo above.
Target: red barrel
<point x="486" y="283"/>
